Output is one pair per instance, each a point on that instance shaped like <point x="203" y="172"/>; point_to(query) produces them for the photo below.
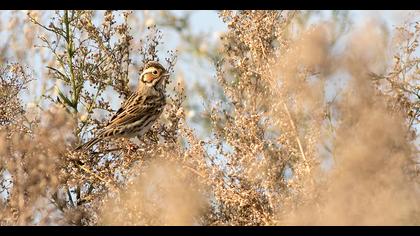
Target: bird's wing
<point x="133" y="98"/>
<point x="131" y="110"/>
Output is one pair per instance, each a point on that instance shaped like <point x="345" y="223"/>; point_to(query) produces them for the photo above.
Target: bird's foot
<point x="132" y="147"/>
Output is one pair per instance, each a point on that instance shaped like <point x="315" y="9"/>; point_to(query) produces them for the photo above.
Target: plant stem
<point x="292" y="123"/>
<point x="69" y="41"/>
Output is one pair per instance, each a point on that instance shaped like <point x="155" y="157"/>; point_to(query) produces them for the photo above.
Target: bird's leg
<point x="131" y="146"/>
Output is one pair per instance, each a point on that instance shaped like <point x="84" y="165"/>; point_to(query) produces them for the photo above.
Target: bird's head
<point x="153" y="75"/>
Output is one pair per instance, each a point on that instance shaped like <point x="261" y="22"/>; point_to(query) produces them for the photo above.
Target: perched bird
<point x="141" y="109"/>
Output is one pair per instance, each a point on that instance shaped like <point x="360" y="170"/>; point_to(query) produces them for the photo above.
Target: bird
<point x="140" y="110"/>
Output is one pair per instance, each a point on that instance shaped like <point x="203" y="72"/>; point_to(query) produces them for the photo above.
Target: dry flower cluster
<point x="299" y="133"/>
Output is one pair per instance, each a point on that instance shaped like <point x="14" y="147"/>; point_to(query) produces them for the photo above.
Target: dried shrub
<point x="299" y="132"/>
<point x="29" y="152"/>
<point x="163" y="194"/>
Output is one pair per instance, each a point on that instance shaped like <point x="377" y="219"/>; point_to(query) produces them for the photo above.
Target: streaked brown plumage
<point x="138" y="113"/>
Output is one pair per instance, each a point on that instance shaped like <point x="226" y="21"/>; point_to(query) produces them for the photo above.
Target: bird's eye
<point x="155" y="72"/>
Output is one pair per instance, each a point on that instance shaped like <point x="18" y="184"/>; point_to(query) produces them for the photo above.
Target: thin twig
<point x="95" y="175"/>
<point x="292" y="123"/>
<point x="194" y="171"/>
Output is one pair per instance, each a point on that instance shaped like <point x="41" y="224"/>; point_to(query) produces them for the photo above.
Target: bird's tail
<point x="88" y="145"/>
